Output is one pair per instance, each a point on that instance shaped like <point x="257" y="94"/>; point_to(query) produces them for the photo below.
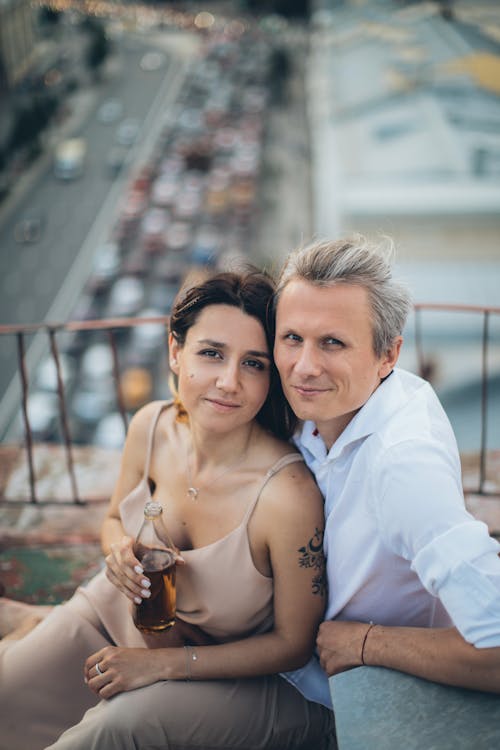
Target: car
<point x="171" y="268"/>
<point x="130" y="212"/>
<point x="149" y="339"/>
<point x="137" y="263"/>
<point x="141" y="182"/>
<point x="162" y="295"/>
<point x="105" y="266"/>
<point x="164" y="191"/>
<point x="115" y="161"/>
<point x="110" y="111"/>
<point x="171" y="166"/>
<point x="110" y="432"/>
<point x="188" y="203"/>
<point x="92" y="403"/>
<point x="126" y="297"/>
<point x="43" y="415"/>
<point x="97" y="363"/>
<point x="86" y="307"/>
<point x="152" y="60"/>
<point x="46" y="375"/>
<point x="137" y="387"/>
<point x="218" y="196"/>
<point x="128" y="131"/>
<point x="178" y="235"/>
<point x="206" y="246"/>
<point x="153" y="230"/>
<point x="29" y="229"/>
<point x="133" y="206"/>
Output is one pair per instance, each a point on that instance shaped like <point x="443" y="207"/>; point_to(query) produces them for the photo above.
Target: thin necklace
<point x="193" y="491"/>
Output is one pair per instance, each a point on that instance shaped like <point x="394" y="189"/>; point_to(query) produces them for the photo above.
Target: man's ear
<point x="173" y="353"/>
<point x="388" y="362"/>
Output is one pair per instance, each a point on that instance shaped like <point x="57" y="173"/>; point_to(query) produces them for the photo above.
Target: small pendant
<point x="193" y="493"/>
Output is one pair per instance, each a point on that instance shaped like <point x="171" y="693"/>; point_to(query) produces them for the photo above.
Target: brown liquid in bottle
<point x="157" y="613"/>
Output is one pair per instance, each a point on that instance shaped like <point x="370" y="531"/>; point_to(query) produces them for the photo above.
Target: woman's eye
<point x="210" y="353"/>
<point x="292" y="337"/>
<point x="254" y="364"/>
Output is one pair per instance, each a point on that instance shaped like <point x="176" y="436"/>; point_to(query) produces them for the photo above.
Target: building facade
<point x="17" y="41"/>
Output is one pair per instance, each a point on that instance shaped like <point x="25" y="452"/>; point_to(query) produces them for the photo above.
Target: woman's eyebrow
<point x="211" y="342"/>
<point x="259" y="354"/>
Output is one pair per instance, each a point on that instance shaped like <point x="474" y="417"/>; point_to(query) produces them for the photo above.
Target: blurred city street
<point x="188" y="193"/>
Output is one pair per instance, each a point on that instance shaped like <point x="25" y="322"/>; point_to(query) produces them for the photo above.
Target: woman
<point x="248" y="518"/>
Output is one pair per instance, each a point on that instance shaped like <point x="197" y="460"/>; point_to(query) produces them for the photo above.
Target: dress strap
<point x="289" y="458"/>
<point x="151" y="436"/>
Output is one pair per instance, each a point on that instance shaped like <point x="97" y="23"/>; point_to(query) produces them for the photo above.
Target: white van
<point x="69" y="160"/>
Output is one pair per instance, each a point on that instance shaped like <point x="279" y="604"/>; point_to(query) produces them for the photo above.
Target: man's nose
<point x="308" y="361"/>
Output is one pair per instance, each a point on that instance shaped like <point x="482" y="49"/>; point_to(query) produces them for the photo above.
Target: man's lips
<point x="308" y="390"/>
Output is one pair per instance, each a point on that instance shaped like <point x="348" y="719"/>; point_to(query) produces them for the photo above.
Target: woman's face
<point x="223" y="369"/>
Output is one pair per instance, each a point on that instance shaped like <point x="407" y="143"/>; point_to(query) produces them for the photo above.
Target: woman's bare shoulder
<point x="141" y="423"/>
<point x="293" y="482"/>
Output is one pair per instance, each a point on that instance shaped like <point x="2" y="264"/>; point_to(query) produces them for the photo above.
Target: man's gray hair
<point x="355" y="260"/>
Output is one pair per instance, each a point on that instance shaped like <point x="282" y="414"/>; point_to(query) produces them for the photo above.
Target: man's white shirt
<point x="401" y="548"/>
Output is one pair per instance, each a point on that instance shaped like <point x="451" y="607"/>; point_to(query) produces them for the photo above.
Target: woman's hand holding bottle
<point x="125" y="572"/>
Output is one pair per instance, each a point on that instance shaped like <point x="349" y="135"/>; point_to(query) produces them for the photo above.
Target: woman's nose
<point x="227" y="379"/>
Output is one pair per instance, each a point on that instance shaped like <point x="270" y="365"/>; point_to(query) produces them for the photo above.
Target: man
<point x="414" y="580"/>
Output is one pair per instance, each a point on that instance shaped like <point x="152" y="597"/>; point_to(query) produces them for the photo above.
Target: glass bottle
<point x="155" y="552"/>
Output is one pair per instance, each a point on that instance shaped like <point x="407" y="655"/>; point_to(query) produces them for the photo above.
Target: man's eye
<point x="331" y="341"/>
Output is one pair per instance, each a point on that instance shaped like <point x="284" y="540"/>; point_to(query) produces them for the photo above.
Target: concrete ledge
<point x="381" y="709"/>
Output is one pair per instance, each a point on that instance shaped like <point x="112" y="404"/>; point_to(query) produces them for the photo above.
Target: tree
<point x="49" y="16"/>
<point x="24" y="128"/>
<point x="288" y="8"/>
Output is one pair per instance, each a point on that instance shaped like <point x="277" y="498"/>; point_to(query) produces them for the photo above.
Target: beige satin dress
<point x="42" y="692"/>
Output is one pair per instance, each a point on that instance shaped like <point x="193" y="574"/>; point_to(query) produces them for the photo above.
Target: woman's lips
<point x="222" y="405"/>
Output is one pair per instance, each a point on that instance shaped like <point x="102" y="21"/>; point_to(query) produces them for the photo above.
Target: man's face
<point x="324" y="353"/>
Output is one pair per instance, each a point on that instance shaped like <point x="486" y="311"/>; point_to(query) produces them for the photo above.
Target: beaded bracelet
<point x="191" y="655"/>
<point x="370" y="626"/>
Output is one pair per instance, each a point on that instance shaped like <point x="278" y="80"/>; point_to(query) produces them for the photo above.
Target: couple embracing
<point x="293" y="433"/>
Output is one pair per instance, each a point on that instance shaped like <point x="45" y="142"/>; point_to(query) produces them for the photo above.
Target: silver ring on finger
<point x="98" y="669"/>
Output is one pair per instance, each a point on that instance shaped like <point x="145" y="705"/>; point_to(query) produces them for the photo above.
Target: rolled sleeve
<point x="462" y="568"/>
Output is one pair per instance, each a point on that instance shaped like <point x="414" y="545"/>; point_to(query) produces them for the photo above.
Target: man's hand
<point x="340" y="644"/>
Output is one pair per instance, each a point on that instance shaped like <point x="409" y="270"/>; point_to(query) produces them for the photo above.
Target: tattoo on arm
<point x="311" y="556"/>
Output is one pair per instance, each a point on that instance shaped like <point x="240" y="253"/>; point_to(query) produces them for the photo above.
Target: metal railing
<point x="113" y="326"/>
<point x="486" y="313"/>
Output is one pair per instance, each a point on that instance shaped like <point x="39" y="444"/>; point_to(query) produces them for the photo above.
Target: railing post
<point x="484" y="403"/>
<point x="116" y="376"/>
<point x="26" y="421"/>
<point x="64" y="417"/>
<point x="418" y="341"/>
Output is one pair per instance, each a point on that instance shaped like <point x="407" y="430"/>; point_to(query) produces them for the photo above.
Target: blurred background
<point x="141" y="144"/>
